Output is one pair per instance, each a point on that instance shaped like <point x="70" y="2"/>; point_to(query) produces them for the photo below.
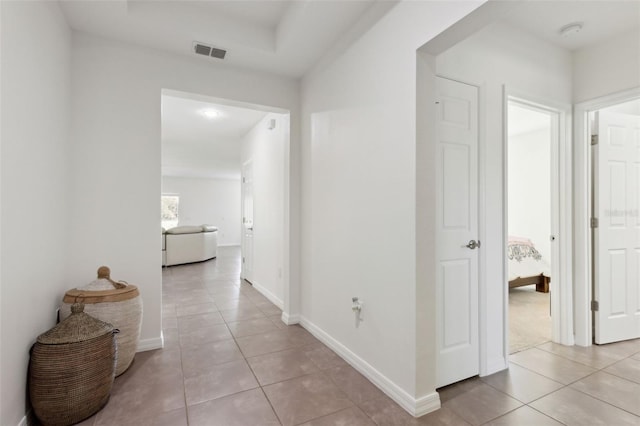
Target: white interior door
<point x="457" y="232"/>
<point x="247" y="221"/>
<point x="617" y="235"/>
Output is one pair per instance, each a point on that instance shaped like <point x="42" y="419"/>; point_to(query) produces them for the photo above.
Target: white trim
<point x="425" y="404"/>
<point x="23" y="421"/>
<point x="151" y="344"/>
<point x="582" y="209"/>
<point x="485" y="359"/>
<point x="562" y="305"/>
<point x="229" y="245"/>
<point x="245" y="165"/>
<point x="268" y="294"/>
<point x="290" y="319"/>
<point x="505" y="224"/>
<point x="496" y="365"/>
<point x="414" y="406"/>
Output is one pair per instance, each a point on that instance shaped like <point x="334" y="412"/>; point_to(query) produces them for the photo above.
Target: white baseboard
<point x="290" y="319"/>
<point x="415" y="407"/>
<point x="229" y="245"/>
<point x="427" y="404"/>
<point x="268" y="294"/>
<point x="151" y="344"/>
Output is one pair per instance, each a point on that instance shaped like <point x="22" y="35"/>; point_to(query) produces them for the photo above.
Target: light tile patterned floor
<point x="230" y="361"/>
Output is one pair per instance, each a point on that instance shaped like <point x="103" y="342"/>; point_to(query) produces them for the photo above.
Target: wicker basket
<point x="117" y="303"/>
<point x="72" y="369"/>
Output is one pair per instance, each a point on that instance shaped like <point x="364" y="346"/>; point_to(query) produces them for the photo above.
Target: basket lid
<point x="102" y="289"/>
<point x="104" y="281"/>
<point x="77" y="327"/>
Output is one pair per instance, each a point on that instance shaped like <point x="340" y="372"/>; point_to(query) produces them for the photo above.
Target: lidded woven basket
<point x="72" y="369"/>
<point x="117" y="303"/>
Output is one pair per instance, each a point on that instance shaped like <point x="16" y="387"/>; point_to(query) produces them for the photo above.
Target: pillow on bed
<point x="520" y="240"/>
<point x="209" y="228"/>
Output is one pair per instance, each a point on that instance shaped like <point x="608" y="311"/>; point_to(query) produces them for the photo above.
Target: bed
<point x="526" y="265"/>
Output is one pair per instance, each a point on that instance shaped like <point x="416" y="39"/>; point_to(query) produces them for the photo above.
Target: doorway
<point x="531" y="222"/>
<point x="229" y="163"/>
<point x="586" y="295"/>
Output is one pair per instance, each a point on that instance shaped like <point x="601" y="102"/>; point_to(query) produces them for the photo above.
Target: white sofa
<point x="187" y="244"/>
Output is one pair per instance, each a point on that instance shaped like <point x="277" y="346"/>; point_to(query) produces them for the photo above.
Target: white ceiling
<point x="196" y="146"/>
<point x="288" y="38"/>
<point x="283" y="37"/>
<point x="601" y="20"/>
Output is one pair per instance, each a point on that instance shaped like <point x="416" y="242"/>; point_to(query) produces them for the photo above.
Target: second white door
<point x="617" y="234"/>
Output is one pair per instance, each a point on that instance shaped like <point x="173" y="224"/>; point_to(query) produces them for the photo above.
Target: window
<point x="169" y="211"/>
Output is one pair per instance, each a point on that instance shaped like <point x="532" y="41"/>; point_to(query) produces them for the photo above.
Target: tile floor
<point x="229" y="360"/>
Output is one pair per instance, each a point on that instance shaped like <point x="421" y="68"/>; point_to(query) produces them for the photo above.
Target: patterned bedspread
<point x="525" y="260"/>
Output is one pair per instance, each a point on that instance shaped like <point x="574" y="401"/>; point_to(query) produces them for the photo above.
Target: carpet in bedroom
<point x="529" y="319"/>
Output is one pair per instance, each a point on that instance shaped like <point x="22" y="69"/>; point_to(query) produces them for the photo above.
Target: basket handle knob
<point x="105" y="273"/>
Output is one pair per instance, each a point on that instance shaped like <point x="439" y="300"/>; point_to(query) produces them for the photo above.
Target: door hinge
<point x="244" y="180"/>
<point x="243" y="260"/>
<point x="595" y="305"/>
<point x="594" y="139"/>
<point x="594" y="222"/>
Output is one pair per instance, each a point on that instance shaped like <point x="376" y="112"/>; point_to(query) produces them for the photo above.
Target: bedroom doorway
<point x="532" y="175"/>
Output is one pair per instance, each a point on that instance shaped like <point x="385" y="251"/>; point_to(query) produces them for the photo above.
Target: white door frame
<point x="562" y="302"/>
<point x="291" y="198"/>
<point x="582" y="207"/>
<point x="243" y="248"/>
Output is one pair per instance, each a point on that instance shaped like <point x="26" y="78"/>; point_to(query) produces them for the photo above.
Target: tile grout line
<point x="601" y="369"/>
<point x="320" y="371"/>
<point x="256" y="378"/>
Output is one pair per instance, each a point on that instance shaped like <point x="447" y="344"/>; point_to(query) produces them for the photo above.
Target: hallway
<point x="229" y="360"/>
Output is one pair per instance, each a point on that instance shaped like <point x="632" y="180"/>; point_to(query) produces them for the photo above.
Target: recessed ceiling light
<point x="209" y="113"/>
<point x="571" y="29"/>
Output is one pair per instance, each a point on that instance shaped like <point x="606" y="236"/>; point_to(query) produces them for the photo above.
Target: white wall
<point x="211" y="201"/>
<point x="116" y="136"/>
<point x="359" y="199"/>
<point x="607" y="67"/>
<point x="265" y="149"/>
<point x="529" y="188"/>
<point x="36" y="55"/>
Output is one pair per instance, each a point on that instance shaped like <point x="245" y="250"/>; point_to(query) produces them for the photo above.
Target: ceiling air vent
<point x="206" y="50"/>
<point x="218" y="53"/>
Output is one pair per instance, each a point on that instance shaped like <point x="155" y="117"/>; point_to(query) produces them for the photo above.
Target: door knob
<point x="473" y="244"/>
